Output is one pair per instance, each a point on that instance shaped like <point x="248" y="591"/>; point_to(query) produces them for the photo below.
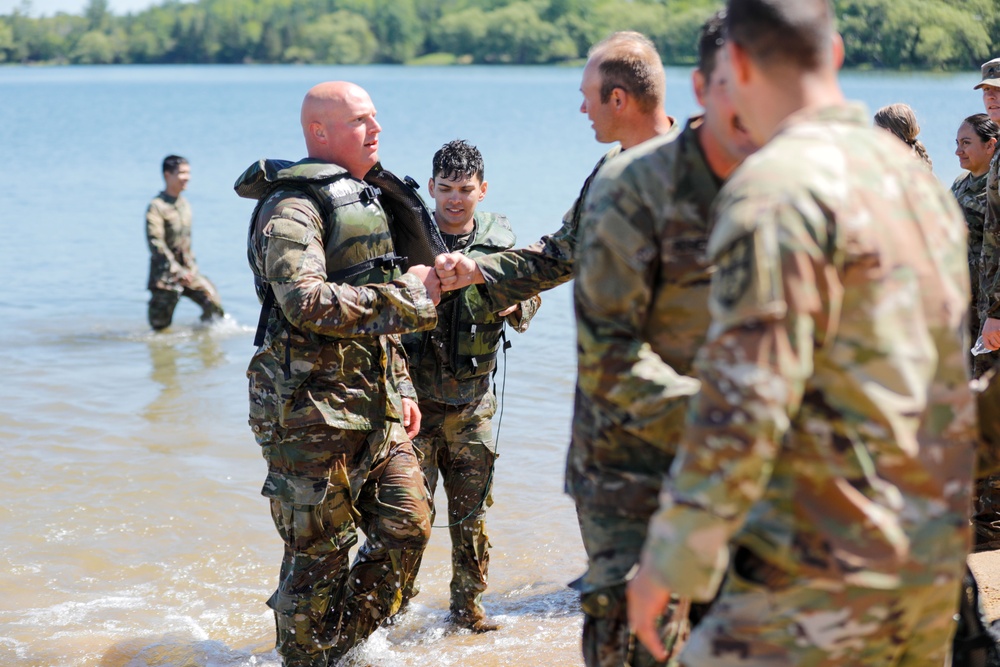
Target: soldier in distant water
<point x="452" y="367"/>
<point x="173" y="272"/>
<point x="827" y="461"/>
<point x="331" y="401"/>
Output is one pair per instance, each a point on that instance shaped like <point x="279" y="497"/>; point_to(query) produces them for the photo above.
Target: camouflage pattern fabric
<point x="829" y="454"/>
<point x="331" y="354"/>
<point x="516" y="275"/>
<point x="642" y="282"/>
<point x="456" y="432"/>
<point x="456" y="443"/>
<point x="613" y="544"/>
<point x="323" y="483"/>
<point x="989" y="271"/>
<point x="173" y="271"/>
<point x="326" y="389"/>
<point x="430" y="353"/>
<point x="970" y="192"/>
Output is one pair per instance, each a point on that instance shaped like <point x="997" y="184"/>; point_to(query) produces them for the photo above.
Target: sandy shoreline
<point x="986" y="567"/>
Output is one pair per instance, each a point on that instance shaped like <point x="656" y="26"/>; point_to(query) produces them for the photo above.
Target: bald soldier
<point x="331" y="401"/>
<point x="623" y="89"/>
<point x="827" y="461"/>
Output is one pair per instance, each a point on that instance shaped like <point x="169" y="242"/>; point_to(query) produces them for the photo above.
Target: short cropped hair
<point x="797" y="32"/>
<point x="172" y="163"/>
<point x="458" y="159"/>
<point x="630" y="61"/>
<point x="711" y="39"/>
<point x="983" y="126"/>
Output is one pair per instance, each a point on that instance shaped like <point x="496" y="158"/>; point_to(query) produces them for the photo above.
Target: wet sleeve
<point x="521" y="318"/>
<point x="516" y="275"/>
<point x="753" y="368"/>
<point x="156" y="238"/>
<point x="989" y="266"/>
<point x="617" y="263"/>
<point x="295" y="266"/>
<point x="401" y="370"/>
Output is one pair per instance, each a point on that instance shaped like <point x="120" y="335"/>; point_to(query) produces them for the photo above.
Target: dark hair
<point x="172" y="163"/>
<point x="797" y="32"/>
<point x="710" y="41"/>
<point x="983" y="126"/>
<point x="629" y="60"/>
<point x="458" y="159"/>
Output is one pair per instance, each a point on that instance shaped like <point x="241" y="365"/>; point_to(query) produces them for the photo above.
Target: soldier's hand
<point x="508" y="311"/>
<point x="647" y="601"/>
<point x="430" y="280"/>
<point x="411" y="417"/>
<point x="457" y="271"/>
<point x="991" y="333"/>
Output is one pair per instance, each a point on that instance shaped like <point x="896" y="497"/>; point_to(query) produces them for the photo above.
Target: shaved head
<point x="339" y="126"/>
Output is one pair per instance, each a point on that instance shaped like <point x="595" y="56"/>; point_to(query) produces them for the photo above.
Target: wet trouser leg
<point x="162" y="304"/>
<point x="203" y="292"/>
<point x="456" y="442"/>
<point x="323" y="483"/>
<point x="614" y="545"/>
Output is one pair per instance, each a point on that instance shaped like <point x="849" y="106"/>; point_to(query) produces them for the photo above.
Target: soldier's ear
<point x="698" y="83"/>
<point x="430" y="186"/>
<point x="482" y="190"/>
<point x="318" y="131"/>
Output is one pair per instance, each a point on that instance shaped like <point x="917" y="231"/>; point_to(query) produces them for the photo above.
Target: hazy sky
<point x="50" y="7"/>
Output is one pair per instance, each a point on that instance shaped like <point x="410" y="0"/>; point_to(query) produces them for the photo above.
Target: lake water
<point x="132" y="532"/>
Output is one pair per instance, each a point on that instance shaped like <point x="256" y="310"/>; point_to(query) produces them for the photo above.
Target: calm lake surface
<point x="132" y="531"/>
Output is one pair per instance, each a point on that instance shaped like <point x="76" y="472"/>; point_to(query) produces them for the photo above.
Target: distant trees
<point x="926" y="34"/>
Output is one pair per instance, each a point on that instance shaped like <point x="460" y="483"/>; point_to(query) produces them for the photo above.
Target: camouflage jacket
<point x="434" y="354"/>
<point x="513" y="276"/>
<point x="641" y="291"/>
<point x="331" y="354"/>
<point x="833" y="435"/>
<point x="168" y="233"/>
<point x="970" y="191"/>
<point x="989" y="265"/>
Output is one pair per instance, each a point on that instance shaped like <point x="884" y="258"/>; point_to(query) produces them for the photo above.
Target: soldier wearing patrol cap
<point x="986" y="517"/>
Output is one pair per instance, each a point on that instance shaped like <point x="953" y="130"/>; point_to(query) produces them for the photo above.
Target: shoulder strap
<point x="326" y="209"/>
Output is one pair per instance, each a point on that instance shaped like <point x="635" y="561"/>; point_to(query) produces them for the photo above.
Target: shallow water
<point x="132" y="532"/>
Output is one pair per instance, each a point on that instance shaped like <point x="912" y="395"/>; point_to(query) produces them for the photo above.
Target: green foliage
<point x="926" y="34"/>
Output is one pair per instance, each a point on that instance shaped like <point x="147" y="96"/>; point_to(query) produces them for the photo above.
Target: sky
<point x="50" y="7"/>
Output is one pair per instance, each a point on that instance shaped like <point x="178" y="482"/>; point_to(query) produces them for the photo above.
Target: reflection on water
<point x="177" y="359"/>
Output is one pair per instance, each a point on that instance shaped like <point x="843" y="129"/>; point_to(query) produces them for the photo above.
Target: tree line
<point x="893" y="34"/>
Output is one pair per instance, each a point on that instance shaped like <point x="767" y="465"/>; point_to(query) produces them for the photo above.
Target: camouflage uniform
<point x="642" y="281"/>
<point x="513" y="276"/>
<point x="326" y="389"/>
<point x="986" y="515"/>
<point x="970" y="191"/>
<point x="828" y="456"/>
<point x="457" y="407"/>
<point x="173" y="272"/>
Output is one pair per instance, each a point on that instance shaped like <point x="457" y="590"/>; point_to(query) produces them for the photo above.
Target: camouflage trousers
<point x="323" y="484"/>
<point x="456" y="441"/>
<point x="614" y="545"/>
<point x="766" y="620"/>
<point x="986" y="512"/>
<point x="163" y="302"/>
